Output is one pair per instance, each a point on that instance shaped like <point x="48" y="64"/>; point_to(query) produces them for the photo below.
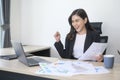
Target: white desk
<point x="17" y="67"/>
<point x="42" y="50"/>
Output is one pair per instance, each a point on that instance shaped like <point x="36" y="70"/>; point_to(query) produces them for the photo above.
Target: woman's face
<point x="78" y="23"/>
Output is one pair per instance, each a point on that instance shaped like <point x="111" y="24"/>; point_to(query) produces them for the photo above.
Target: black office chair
<point x="104" y="39"/>
<point x="97" y="26"/>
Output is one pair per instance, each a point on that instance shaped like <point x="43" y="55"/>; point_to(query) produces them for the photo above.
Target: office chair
<point x="104" y="39"/>
<point x="97" y="26"/>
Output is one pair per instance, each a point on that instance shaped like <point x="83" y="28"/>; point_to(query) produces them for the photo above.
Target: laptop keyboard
<point x="35" y="61"/>
<point x="32" y="61"/>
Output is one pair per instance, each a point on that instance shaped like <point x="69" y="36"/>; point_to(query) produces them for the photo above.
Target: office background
<point x="34" y="22"/>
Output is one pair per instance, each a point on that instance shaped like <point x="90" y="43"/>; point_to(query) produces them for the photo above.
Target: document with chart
<point x="70" y="68"/>
<point x="93" y="50"/>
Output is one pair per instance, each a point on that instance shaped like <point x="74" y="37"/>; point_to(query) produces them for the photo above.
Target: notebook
<point x="22" y="58"/>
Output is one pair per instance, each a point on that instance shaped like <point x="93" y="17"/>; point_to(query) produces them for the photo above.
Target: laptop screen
<point x="19" y="52"/>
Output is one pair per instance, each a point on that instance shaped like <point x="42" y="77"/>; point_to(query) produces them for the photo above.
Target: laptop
<point x="12" y="56"/>
<point x="34" y="61"/>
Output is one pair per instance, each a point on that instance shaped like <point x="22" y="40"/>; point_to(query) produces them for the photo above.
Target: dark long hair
<point x="83" y="15"/>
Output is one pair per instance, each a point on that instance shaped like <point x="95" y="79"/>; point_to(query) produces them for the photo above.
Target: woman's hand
<point x="99" y="58"/>
<point x="57" y="36"/>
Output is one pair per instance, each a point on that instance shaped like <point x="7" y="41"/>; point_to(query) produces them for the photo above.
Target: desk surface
<point x="28" y="49"/>
<point x="16" y="66"/>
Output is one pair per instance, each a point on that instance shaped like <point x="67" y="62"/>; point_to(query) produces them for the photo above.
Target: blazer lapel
<point x="88" y="41"/>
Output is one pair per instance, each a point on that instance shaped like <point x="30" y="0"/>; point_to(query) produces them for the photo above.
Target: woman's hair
<point x="81" y="13"/>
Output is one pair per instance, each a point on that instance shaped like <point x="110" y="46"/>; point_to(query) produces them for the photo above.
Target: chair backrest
<point x="104" y="39"/>
<point x="97" y="26"/>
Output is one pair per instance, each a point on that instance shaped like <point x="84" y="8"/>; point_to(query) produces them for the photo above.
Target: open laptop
<point x="22" y="58"/>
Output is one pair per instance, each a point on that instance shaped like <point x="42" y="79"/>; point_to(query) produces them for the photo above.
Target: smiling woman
<point x="80" y="37"/>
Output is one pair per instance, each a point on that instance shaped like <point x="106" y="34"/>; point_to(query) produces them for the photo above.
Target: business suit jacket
<point x="91" y="36"/>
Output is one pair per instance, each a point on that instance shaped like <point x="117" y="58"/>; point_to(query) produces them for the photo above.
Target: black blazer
<point x="91" y="36"/>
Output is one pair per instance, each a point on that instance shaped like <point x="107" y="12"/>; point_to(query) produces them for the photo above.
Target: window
<point x="1" y="21"/>
<point x="0" y="38"/>
<point x="5" y="24"/>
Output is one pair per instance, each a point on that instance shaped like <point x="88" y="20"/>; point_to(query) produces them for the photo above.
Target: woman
<point x="80" y="37"/>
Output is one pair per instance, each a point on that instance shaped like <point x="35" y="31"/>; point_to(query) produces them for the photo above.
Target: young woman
<point x="80" y="37"/>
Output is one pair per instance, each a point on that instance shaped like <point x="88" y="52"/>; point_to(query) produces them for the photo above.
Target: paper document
<point x="70" y="68"/>
<point x="93" y="50"/>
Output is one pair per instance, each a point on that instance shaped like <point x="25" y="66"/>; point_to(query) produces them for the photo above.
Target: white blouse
<point x="79" y="45"/>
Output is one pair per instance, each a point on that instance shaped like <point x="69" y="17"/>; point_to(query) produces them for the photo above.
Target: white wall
<point x="15" y="19"/>
<point x="38" y="20"/>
